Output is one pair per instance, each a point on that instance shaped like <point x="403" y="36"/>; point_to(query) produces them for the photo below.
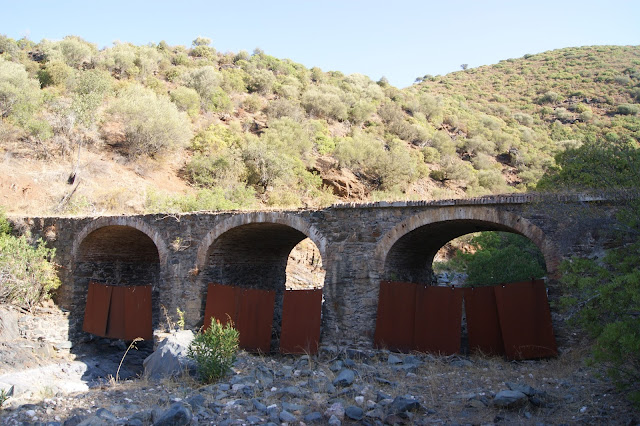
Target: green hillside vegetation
<point x="256" y="131"/>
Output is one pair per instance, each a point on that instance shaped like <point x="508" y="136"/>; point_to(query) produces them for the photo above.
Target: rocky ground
<point x="340" y="385"/>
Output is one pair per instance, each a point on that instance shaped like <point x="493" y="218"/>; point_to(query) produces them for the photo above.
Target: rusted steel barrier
<point x="483" y="325"/>
<point x="396" y="316"/>
<point x="438" y="320"/>
<point x="301" y="318"/>
<point x="511" y="319"/>
<point x="251" y="311"/>
<point x="118" y="312"/>
<point x="525" y="320"/>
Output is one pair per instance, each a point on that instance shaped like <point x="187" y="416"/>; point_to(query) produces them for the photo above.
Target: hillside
<point x="170" y="128"/>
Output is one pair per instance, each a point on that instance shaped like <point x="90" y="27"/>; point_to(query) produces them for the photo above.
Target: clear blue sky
<point x="398" y="39"/>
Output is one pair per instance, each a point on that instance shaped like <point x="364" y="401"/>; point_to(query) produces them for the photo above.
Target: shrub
<point x="325" y="102"/>
<point x="27" y="272"/>
<point x="214" y="350"/>
<point x="628" y="109"/>
<point x="152" y="124"/>
<point x="89" y="90"/>
<point x="54" y="73"/>
<point x="500" y="257"/>
<point x="603" y="296"/>
<point x="19" y="94"/>
<point x="204" y="80"/>
<point x="218" y="101"/>
<point x="261" y="81"/>
<point x="186" y="99"/>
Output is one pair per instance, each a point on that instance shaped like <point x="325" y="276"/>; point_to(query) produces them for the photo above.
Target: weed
<point x="214" y="350"/>
<point x="131" y="345"/>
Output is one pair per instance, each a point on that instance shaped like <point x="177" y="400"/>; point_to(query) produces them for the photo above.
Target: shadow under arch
<point x="406" y="252"/>
<point x="121" y="251"/>
<point x="252" y="250"/>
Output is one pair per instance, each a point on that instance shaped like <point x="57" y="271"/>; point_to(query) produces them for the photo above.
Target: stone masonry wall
<point x="359" y="244"/>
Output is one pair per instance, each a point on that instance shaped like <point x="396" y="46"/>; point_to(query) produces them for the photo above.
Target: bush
<point x="27" y="272"/>
<point x="214" y="350"/>
<point x="187" y="99"/>
<point x="500" y="257"/>
<point x="20" y="95"/>
<point x="628" y="109"/>
<point x="152" y="124"/>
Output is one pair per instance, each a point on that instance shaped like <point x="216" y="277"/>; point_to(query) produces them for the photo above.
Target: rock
<point x="292" y="407"/>
<point x="335" y="410"/>
<point x="358" y="355"/>
<point x="73" y="421"/>
<point x="524" y="388"/>
<point x="402" y="404"/>
<point x="259" y="406"/>
<point x="314" y="417"/>
<point x="336" y="365"/>
<point x="461" y="363"/>
<point x="394" y="359"/>
<point x="509" y="399"/>
<point x="264" y="375"/>
<point x="291" y="391"/>
<point x="103" y="413"/>
<point x="354" y="413"/>
<point x="287" y="417"/>
<point x="381" y="395"/>
<point x="178" y="414"/>
<point x="344" y="378"/>
<point x="254" y="420"/>
<point x="196" y="401"/>
<point x="170" y="358"/>
<point x="334" y="421"/>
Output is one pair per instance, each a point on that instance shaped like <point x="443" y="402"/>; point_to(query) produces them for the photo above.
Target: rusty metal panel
<point x="255" y="317"/>
<point x="438" y="320"/>
<point x="116" y="322"/>
<point x="96" y="311"/>
<point x="221" y="304"/>
<point x="137" y="312"/>
<point x="301" y="317"/>
<point x="396" y="316"/>
<point x="525" y="320"/>
<point x="483" y="326"/>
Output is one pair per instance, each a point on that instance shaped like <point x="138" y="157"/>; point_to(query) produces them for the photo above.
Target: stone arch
<point x="251" y="251"/>
<point x="131" y="222"/>
<point x="120" y="251"/>
<point x="235" y="221"/>
<point x="443" y="224"/>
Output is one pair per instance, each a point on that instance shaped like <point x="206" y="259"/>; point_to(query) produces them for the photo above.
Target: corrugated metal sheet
<point x="116" y="321"/>
<point x="118" y="312"/>
<point x="221" y="304"/>
<point x="396" y="316"/>
<point x="137" y="312"/>
<point x="251" y="311"/>
<point x="96" y="311"/>
<point x="525" y="320"/>
<point x="483" y="325"/>
<point x="255" y="317"/>
<point x="438" y="319"/>
<point x="301" y="318"/>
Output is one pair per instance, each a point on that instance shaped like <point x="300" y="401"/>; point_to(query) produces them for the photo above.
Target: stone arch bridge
<point x="360" y="245"/>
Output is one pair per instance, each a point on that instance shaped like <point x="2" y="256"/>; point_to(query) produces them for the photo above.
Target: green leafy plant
<point x="27" y="272"/>
<point x="180" y="318"/>
<point x="214" y="350"/>
<point x="496" y="258"/>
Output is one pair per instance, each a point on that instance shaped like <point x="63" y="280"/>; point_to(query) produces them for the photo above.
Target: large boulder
<point x="170" y="358"/>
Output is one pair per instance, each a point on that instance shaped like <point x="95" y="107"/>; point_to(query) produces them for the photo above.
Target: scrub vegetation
<point x="248" y="130"/>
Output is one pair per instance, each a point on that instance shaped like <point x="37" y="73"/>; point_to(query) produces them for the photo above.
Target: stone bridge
<point x="360" y="245"/>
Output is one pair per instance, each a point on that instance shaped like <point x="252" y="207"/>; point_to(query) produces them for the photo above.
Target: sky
<point x="397" y="39"/>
